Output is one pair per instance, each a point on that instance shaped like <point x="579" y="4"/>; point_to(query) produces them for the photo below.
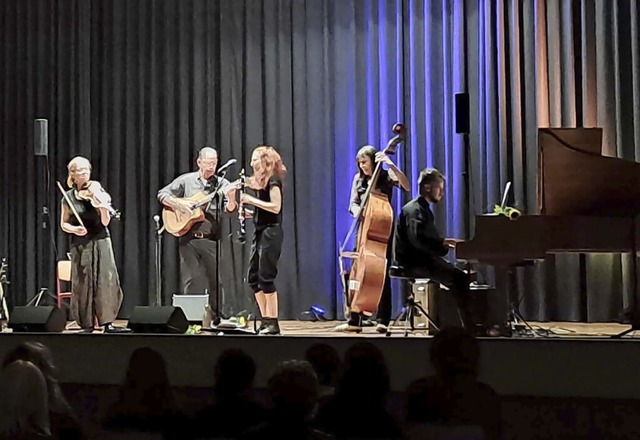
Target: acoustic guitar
<point x="178" y="223"/>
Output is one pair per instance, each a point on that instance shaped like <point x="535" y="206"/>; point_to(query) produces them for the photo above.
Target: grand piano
<point x="586" y="202"/>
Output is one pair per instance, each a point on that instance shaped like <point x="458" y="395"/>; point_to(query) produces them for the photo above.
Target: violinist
<point x="95" y="284"/>
<point x="268" y="174"/>
<point x="366" y="158"/>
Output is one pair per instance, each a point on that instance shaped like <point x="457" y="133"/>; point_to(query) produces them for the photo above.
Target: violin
<point x="93" y="192"/>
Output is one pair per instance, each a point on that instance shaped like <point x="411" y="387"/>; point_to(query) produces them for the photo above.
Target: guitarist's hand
<point x="183" y="207"/>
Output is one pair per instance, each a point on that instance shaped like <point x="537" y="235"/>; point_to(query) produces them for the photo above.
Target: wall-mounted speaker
<point x="41" y="137"/>
<point x="462" y="113"/>
<point x="38" y="319"/>
<point x="158" y="319"/>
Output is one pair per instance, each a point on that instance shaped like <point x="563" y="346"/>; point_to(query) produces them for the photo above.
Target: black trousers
<point x="198" y="268"/>
<point x="263" y="263"/>
<point x="457" y="281"/>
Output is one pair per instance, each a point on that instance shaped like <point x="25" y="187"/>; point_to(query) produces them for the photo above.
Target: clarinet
<point x="241" y="218"/>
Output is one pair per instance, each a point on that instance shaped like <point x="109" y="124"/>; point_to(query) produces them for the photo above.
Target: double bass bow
<point x="374" y="223"/>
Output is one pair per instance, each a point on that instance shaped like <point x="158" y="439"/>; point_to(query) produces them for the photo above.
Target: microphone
<point x="226" y="165"/>
<point x="156" y="218"/>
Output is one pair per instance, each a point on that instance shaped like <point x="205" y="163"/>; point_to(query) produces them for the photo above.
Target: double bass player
<point x="369" y="161"/>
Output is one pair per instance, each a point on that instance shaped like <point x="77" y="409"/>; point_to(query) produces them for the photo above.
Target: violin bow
<point x="66" y="197"/>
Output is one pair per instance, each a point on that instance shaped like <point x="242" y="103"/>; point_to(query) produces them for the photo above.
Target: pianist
<point x="419" y="248"/>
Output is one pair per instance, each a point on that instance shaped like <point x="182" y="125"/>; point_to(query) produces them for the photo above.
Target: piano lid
<point x="575" y="179"/>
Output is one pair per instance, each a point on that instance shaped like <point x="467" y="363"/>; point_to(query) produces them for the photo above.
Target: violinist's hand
<point x="80" y="231"/>
<point x="382" y="157"/>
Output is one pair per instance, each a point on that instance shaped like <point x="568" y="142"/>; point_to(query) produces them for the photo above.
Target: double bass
<point x="374" y="223"/>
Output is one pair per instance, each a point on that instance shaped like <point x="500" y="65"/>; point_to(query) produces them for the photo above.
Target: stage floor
<point x="568" y="360"/>
<point x="327" y="329"/>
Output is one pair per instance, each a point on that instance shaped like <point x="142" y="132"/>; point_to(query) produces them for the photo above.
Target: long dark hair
<point x="368" y="151"/>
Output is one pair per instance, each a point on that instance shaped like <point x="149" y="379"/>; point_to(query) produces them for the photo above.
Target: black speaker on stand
<point x="44" y="275"/>
<point x="462" y="127"/>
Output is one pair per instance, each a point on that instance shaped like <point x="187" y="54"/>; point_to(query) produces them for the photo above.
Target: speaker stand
<point x="35" y="301"/>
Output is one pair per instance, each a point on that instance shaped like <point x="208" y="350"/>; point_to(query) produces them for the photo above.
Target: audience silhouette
<point x="24" y="404"/>
<point x="454" y="397"/>
<point x="63" y="419"/>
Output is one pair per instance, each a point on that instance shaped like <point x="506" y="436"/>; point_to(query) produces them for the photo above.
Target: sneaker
<point x="271" y="328"/>
<point x="347" y="328"/>
<point x="382" y="328"/>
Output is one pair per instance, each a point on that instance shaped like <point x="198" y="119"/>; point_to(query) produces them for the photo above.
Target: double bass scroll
<point x="374" y="223"/>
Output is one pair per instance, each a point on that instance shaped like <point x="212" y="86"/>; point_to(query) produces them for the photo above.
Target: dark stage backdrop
<point x="138" y="86"/>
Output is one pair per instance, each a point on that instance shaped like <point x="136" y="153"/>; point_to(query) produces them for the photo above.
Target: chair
<point x="411" y="308"/>
<point x="63" y="273"/>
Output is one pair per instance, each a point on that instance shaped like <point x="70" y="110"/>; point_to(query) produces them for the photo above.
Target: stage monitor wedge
<point x="158" y="319"/>
<point x="38" y="319"/>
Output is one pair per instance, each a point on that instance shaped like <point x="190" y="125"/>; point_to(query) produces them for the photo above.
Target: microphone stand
<point x="215" y="327"/>
<point x="218" y="205"/>
<point x="158" y="260"/>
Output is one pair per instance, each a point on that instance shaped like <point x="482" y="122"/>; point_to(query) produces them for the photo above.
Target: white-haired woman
<point x="95" y="284"/>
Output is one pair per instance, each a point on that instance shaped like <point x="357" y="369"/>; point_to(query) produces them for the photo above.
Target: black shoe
<point x="271" y="328"/>
<point x="110" y="328"/>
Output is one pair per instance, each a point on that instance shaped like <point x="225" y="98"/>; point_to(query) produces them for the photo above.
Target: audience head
<point x="234" y="372"/>
<point x="23" y="401"/>
<point x="325" y="361"/>
<point x="146" y="387"/>
<point x="454" y="353"/>
<point x="40" y="356"/>
<point x="365" y="372"/>
<point x="294" y="389"/>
